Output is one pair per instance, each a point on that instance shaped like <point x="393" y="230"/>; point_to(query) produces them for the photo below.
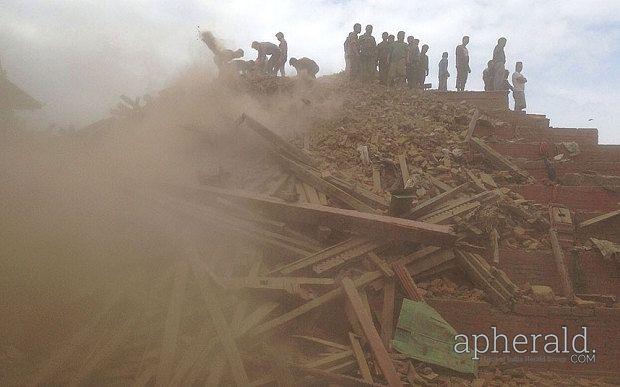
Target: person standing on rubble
<point x="519" y="81"/>
<point x="443" y="73"/>
<point x="265" y="49"/>
<point x="487" y="76"/>
<point x="499" y="64"/>
<point x="423" y="67"/>
<point x="462" y="64"/>
<point x="383" y="50"/>
<point x="368" y="54"/>
<point x="306" y="68"/>
<point x="283" y="46"/>
<point x="413" y="57"/>
<point x="398" y="60"/>
<point x="352" y="52"/>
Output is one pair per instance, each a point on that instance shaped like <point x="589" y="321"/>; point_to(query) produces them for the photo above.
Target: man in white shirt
<point x="518" y="82"/>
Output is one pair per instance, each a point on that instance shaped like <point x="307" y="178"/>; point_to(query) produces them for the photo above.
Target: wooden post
<point x="378" y="349"/>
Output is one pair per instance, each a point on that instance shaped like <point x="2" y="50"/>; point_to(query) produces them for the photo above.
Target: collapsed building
<point x="352" y="236"/>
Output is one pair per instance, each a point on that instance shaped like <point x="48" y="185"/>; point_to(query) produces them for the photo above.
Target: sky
<point x="79" y="56"/>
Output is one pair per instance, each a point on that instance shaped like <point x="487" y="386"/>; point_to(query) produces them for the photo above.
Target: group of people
<point x="271" y="58"/>
<point x="399" y="62"/>
<point x="395" y="60"/>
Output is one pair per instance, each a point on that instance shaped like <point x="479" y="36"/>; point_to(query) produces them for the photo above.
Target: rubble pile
<point x="360" y="221"/>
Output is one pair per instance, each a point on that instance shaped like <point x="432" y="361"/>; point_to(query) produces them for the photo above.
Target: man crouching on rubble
<point x="307" y="69"/>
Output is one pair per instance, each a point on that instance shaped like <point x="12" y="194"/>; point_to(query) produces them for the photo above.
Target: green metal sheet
<point x="422" y="334"/>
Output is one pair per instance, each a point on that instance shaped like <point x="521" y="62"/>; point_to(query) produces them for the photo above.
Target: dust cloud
<point x="82" y="216"/>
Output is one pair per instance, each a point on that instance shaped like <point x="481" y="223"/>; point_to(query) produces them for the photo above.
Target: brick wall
<point x="477" y="317"/>
<point x="594" y="274"/>
<point x="550" y="135"/>
<point x="591" y="199"/>
<point x="483" y="100"/>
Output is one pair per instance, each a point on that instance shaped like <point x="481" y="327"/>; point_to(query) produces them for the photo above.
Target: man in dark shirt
<point x="443" y="73"/>
<point x="413" y="57"/>
<point x="462" y="64"/>
<point x="383" y="50"/>
<point x="352" y="52"/>
<point x="499" y="64"/>
<point x="398" y="60"/>
<point x="306" y="67"/>
<point x="368" y="54"/>
<point x="283" y="46"/>
<point x="423" y="66"/>
<point x="267" y="49"/>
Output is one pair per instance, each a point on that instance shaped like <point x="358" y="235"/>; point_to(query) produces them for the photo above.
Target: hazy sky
<point x="78" y="56"/>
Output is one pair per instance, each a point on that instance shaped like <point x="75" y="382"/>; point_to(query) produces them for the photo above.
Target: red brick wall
<point x="575" y="197"/>
<point x="603" y="324"/>
<point x="588" y="153"/>
<point x="538" y="268"/>
<point x="550" y="135"/>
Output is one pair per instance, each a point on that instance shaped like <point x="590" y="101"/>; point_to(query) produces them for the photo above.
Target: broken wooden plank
<point x="472" y="125"/>
<point x="598" y="219"/>
<point x="387" y="312"/>
<point x="279" y="142"/>
<point x="281" y="283"/>
<point x="327" y="343"/>
<point x="172" y="325"/>
<point x="370" y="332"/>
<point x="350" y="254"/>
<point x="376" y="179"/>
<point x="327" y="253"/>
<point x="113" y="339"/>
<point x="381" y="264"/>
<point x="311" y="194"/>
<point x="404" y="170"/>
<point x="498" y="160"/>
<point x="494" y="235"/>
<point x="363" y="280"/>
<point x="428" y="205"/>
<point x="338" y="379"/>
<point x="411" y="290"/>
<point x="373" y="225"/>
<point x="314" y="178"/>
<point x="224" y="333"/>
<point x="558" y="256"/>
<point x="360" y="358"/>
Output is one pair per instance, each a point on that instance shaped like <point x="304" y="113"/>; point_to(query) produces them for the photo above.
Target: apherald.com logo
<point x="548" y="343"/>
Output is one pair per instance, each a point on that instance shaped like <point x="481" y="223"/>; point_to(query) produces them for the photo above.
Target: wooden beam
<point x="374" y="340"/>
<point x="327" y="253"/>
<point x="226" y="337"/>
<point x="404" y="170"/>
<point x="409" y="286"/>
<point x="345" y="256"/>
<point x="314" y="178"/>
<point x="312" y="304"/>
<point x="598" y="219"/>
<point x="381" y="264"/>
<point x="172" y="325"/>
<point x="387" y="312"/>
<point x="498" y="160"/>
<point x="372" y="225"/>
<point x="338" y="379"/>
<point x="428" y="205"/>
<point x="376" y="179"/>
<point x="558" y="255"/>
<point x="494" y="235"/>
<point x="275" y="139"/>
<point x="360" y="358"/>
<point x="472" y="125"/>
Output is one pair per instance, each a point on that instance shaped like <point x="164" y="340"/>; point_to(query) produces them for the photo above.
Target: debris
<point x="422" y="334"/>
<point x="543" y="293"/>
